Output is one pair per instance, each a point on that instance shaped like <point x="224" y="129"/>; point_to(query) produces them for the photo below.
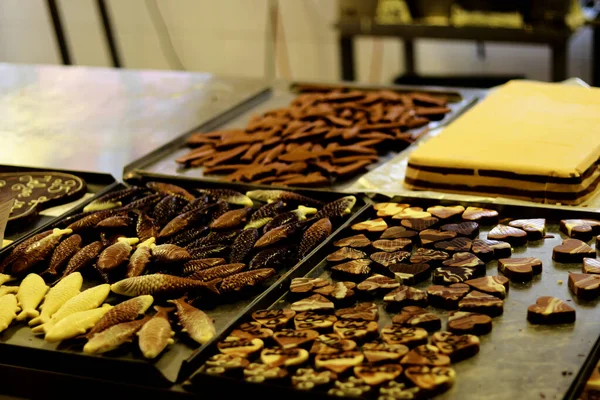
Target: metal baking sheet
<point x="19" y="347"/>
<point x="163" y="162"/>
<point x="517" y="359"/>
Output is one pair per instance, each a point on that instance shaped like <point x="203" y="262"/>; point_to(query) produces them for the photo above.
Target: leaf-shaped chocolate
<point x="243" y="244"/>
<point x="83" y="257"/>
<point x="231" y="219"/>
<point x="314" y="235"/>
<point x="170" y="189"/>
<point x="170" y="253"/>
<point x="115" y="255"/>
<point x="220" y="271"/>
<point x="245" y="280"/>
<point x="63" y="252"/>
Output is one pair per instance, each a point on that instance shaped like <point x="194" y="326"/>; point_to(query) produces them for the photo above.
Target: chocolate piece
<point x="392" y="245"/>
<point x="446" y="297"/>
<point x="272" y="257"/>
<point x="315" y="302"/>
<point x="273" y="319"/>
<point x="591" y="265"/>
<point x="301" y="286"/>
<point x="245" y="280"/>
<point x="346" y="254"/>
<point x="342" y="292"/>
<point x="412" y="212"/>
<point x="426" y="354"/>
<point x="220" y="364"/>
<point x="289" y="338"/>
<point x="466" y="260"/>
<point x="446" y="212"/>
<point x="535" y="228"/>
<point x="337" y="208"/>
<point x="479" y="214"/>
<point x="352" y="387"/>
<point x="430" y="236"/>
<point x="63" y="253"/>
<point x="456" y="245"/>
<point x="377" y="374"/>
<point x="482" y="303"/>
<point x="371" y="225"/>
<point x="283" y="195"/>
<point x="418" y="317"/>
<point x="338" y="362"/>
<point x="251" y="330"/>
<point x="243" y="244"/>
<point x="355" y="270"/>
<point x="376" y="283"/>
<point x="584" y="286"/>
<point x="389" y="209"/>
<point x="283" y="357"/>
<point x="377" y="352"/>
<point x="419" y="224"/>
<point x="331" y="288"/>
<point x="514" y="236"/>
<point x="398" y="391"/>
<point x="356" y="241"/>
<point x="83" y="258"/>
<point x="431" y="380"/>
<point x="463" y="322"/>
<point x="447" y="275"/>
<point x="309" y="379"/>
<point x="572" y="251"/>
<point x="240" y="347"/>
<point x="493" y="285"/>
<point x="405" y="296"/>
<point x="315" y="234"/>
<point x="582" y="229"/>
<point x="220" y="271"/>
<point x="279" y="233"/>
<point x="198" y="265"/>
<point x="259" y="373"/>
<point x="331" y="343"/>
<point x="398" y="232"/>
<point x="469" y="229"/>
<point x="386" y="259"/>
<point x="457" y="347"/>
<point x="409" y="274"/>
<point x="360" y="312"/>
<point x="355" y="329"/>
<point x="428" y="256"/>
<point x="312" y="320"/>
<point x="500" y="249"/>
<point x="520" y="269"/>
<point x="170" y="253"/>
<point x="550" y="310"/>
<point x="408" y="336"/>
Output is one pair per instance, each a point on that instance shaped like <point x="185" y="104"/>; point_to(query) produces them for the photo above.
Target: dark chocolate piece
<point x="315" y="302"/>
<point x="338" y="362"/>
<point x="393" y="245"/>
<point x="331" y="343"/>
<point x="457" y="347"/>
<point x="514" y="236"/>
<point x="479" y="214"/>
<point x="582" y="229"/>
<point x="276" y="257"/>
<point x="428" y="256"/>
<point x="469" y="229"/>
<point x="408" y="336"/>
<point x="405" y="296"/>
<point x="463" y="322"/>
<point x="466" y="260"/>
<point x="360" y="312"/>
<point x="243" y="244"/>
<point x="245" y="280"/>
<point x="591" y="265"/>
<point x="572" y="251"/>
<point x="456" y="245"/>
<point x="371" y="225"/>
<point x="377" y="283"/>
<point x="429" y="237"/>
<point x="346" y="254"/>
<point x="446" y="297"/>
<point x="550" y="310"/>
<point x="425" y="354"/>
<point x="431" y="380"/>
<point x="447" y="275"/>
<point x="494" y="285"/>
<point x="446" y="212"/>
<point x="535" y="228"/>
<point x="418" y="317"/>
<point x="482" y="303"/>
<point x="337" y="208"/>
<point x="584" y="286"/>
<point x="481" y="248"/>
<point x="398" y="232"/>
<point x="355" y="329"/>
<point x="375" y="375"/>
<point x="355" y="270"/>
<point x="289" y="338"/>
<point x="356" y="241"/>
<point x="386" y="259"/>
<point x="520" y="269"/>
<point x="389" y="209"/>
<point x="315" y="234"/>
<point x="409" y="274"/>
<point x="273" y="319"/>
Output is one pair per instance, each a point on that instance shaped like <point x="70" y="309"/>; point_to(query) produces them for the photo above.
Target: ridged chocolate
<point x="288" y="217"/>
<point x="114" y="337"/>
<point x="283" y="195"/>
<point x="83" y="257"/>
<point x="113" y="199"/>
<point x="162" y="285"/>
<point x="170" y="189"/>
<point x="278" y="234"/>
<point x="269" y="210"/>
<point x="63" y="252"/>
<point x="214" y="238"/>
<point x="210" y="251"/>
<point x="145" y="203"/>
<point x="170" y="253"/>
<point x="156" y="334"/>
<point x="37" y="252"/>
<point x="115" y="255"/>
<point x="220" y="271"/>
<point x="314" y="235"/>
<point x="469" y="229"/>
<point x="123" y="312"/>
<point x="139" y="259"/>
<point x="194" y="322"/>
<point x="115" y="221"/>
<point x="231" y="219"/>
<point x="337" y="208"/>
<point x="90" y="220"/>
<point x="20" y="249"/>
<point x="346" y="254"/>
<point x="198" y="265"/>
<point x="182" y="221"/>
<point x="271" y="258"/>
<point x="243" y="244"/>
<point x="186" y="237"/>
<point x="386" y="259"/>
<point x="198" y="202"/>
<point x="245" y="280"/>
<point x="228" y="196"/>
<point x="146" y="227"/>
<point x="168" y="208"/>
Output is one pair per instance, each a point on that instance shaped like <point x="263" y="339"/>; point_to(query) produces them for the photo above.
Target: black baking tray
<point x="19" y="347"/>
<point x="162" y="161"/>
<point x="517" y="360"/>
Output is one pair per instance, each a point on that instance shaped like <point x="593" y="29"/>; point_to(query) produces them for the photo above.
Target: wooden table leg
<point x="347" y="58"/>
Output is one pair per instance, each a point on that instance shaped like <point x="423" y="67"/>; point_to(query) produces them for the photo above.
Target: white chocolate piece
<point x="4" y="290"/>
<point x="76" y="324"/>
<point x="8" y="310"/>
<point x="129" y="241"/>
<point x="5" y="278"/>
<point x="64" y="290"/>
<point x="150" y="242"/>
<point x="31" y="293"/>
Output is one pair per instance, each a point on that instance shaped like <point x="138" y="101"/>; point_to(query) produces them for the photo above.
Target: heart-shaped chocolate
<point x="463" y="322"/>
<point x="331" y="343"/>
<point x="339" y="362"/>
<point x="447" y="275"/>
<point x="591" y="265"/>
<point x="342" y="292"/>
<point x="355" y="270"/>
<point x="251" y="330"/>
<point x="398" y="232"/>
<point x="418" y="317"/>
<point x="386" y="259"/>
<point x="316" y="302"/>
<point x="447" y="297"/>
<point x="456" y="245"/>
<point x="355" y="330"/>
<point x="430" y="236"/>
<point x="582" y="229"/>
<point x="408" y="336"/>
<point x="392" y="245"/>
<point x="425" y="354"/>
<point x="356" y="241"/>
<point x="360" y="312"/>
<point x="466" y="260"/>
<point x="412" y="212"/>
<point x="377" y="352"/>
<point x="514" y="236"/>
<point x="283" y="357"/>
<point x="494" y="285"/>
<point x="572" y="251"/>
<point x="273" y="319"/>
<point x="520" y="269"/>
<point x="376" y="283"/>
<point x="259" y="373"/>
<point x="241" y="347"/>
<point x="535" y="227"/>
<point x="377" y="374"/>
<point x="468" y="229"/>
<point x="405" y="296"/>
<point x="346" y="254"/>
<point x="479" y="214"/>
<point x="290" y="338"/>
<point x="389" y="209"/>
<point x="550" y="310"/>
<point x="457" y="347"/>
<point x="499" y="248"/>
<point x="431" y="380"/>
<point x="446" y="212"/>
<point x="302" y="286"/>
<point x="584" y="286"/>
<point x="371" y="225"/>
<point x="429" y="256"/>
<point x="308" y="378"/>
<point x="419" y="224"/>
<point x="409" y="274"/>
<point x="482" y="303"/>
<point x="313" y="320"/>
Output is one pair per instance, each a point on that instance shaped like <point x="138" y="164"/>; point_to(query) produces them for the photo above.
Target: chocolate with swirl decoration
<point x="241" y="347"/>
<point x="284" y="357"/>
<point x="482" y="303"/>
<point x="392" y="245"/>
<point x="572" y="251"/>
<point x="315" y="302"/>
<point x="480" y="214"/>
<point x="584" y="286"/>
<point x="376" y="283"/>
<point x="512" y="235"/>
<point x="535" y="228"/>
<point x="386" y="259"/>
<point x="408" y="336"/>
<point x="582" y="229"/>
<point x="418" y="317"/>
<point x="520" y="269"/>
<point x="355" y="270"/>
<point x="464" y="322"/>
<point x="303" y="286"/>
<point x="360" y="312"/>
<point x="355" y="330"/>
<point x="428" y="256"/>
<point x="356" y="241"/>
<point x="409" y="274"/>
<point x="447" y="275"/>
<point x="251" y="330"/>
<point x="314" y="321"/>
<point x="405" y="296"/>
<point x="446" y="297"/>
<point x="468" y="229"/>
<point x="550" y="310"/>
<point x="331" y="343"/>
<point x="425" y="354"/>
<point x="290" y="338"/>
<point x="346" y="254"/>
<point x="466" y="260"/>
<point x="494" y="285"/>
<point x="591" y="265"/>
<point x="457" y="347"/>
<point x="273" y="319"/>
<point x="446" y="212"/>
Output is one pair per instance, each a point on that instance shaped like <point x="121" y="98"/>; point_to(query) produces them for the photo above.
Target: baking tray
<point x="517" y="359"/>
<point x="163" y="162"/>
<point x="97" y="184"/>
<point x="19" y="347"/>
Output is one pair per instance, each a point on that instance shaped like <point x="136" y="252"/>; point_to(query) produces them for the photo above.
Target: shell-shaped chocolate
<point x="161" y="285"/>
<point x="220" y="271"/>
<point x="168" y="208"/>
<point x="113" y="199"/>
<point x="113" y="337"/>
<point x="83" y="257"/>
<point x="337" y="208"/>
<point x="271" y="258"/>
<point x="146" y="227"/>
<point x="191" y="267"/>
<point x="243" y="244"/>
<point x="170" y="189"/>
<point x="90" y="220"/>
<point x="19" y="250"/>
<point x="194" y="322"/>
<point x="227" y="195"/>
<point x="115" y="221"/>
<point x="211" y="251"/>
<point x="189" y="235"/>
<point x="156" y="334"/>
<point x="123" y="312"/>
<point x="245" y="280"/>
<point x="144" y="203"/>
<point x="231" y="219"/>
<point x="278" y="234"/>
<point x="139" y="259"/>
<point x="116" y="254"/>
<point x="314" y="235"/>
<point x="283" y="195"/>
<point x="170" y="253"/>
<point x="38" y="251"/>
<point x="63" y="252"/>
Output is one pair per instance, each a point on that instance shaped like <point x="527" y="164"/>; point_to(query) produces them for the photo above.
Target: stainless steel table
<point x="100" y="119"/>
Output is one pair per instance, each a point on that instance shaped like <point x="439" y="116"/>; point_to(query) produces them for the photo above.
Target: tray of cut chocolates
<point x="310" y="135"/>
<point x="420" y="298"/>
<point x="127" y="287"/>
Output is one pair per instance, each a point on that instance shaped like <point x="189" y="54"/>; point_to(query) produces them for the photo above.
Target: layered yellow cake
<point x="528" y="140"/>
